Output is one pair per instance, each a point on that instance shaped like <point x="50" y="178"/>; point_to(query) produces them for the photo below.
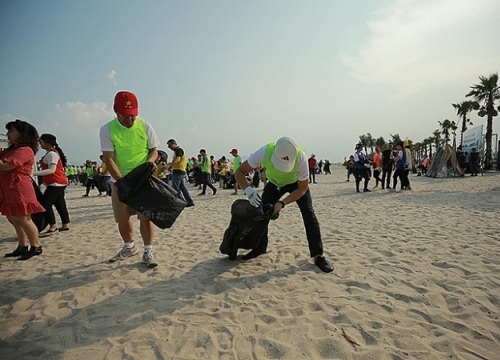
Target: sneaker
<point x="149" y="258"/>
<point x="190" y="205"/>
<point x="124" y="253"/>
<point x="323" y="264"/>
<point x="34" y="251"/>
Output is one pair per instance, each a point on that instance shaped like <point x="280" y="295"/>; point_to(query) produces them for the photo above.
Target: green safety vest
<point x="275" y="176"/>
<point x="236" y="163"/>
<point x="130" y="145"/>
<point x="206" y="167"/>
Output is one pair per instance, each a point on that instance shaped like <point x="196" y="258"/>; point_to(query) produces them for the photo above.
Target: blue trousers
<point x="179" y="185"/>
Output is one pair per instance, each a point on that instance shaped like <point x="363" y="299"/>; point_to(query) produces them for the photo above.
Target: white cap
<point x="285" y="153"/>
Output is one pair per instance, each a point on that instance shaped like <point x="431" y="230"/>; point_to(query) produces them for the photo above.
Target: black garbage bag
<point x="150" y="196"/>
<point x="39" y="218"/>
<point x="247" y="225"/>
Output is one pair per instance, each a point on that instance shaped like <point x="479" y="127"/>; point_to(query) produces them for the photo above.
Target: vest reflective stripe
<point x="130" y="145"/>
<point x="275" y="176"/>
<point x="58" y="177"/>
<point x="182" y="164"/>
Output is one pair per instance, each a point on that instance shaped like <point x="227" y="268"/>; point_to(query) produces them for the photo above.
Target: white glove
<point x="253" y="197"/>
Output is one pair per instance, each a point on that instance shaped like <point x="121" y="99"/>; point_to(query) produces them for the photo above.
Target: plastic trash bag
<point x="247" y="225"/>
<point x="150" y="196"/>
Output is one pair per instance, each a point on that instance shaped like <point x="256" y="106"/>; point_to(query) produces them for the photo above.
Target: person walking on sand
<point x="387" y="165"/>
<point x="53" y="164"/>
<point x="377" y="166"/>
<point x="127" y="142"/>
<point x="17" y="194"/>
<point x="361" y="166"/>
<point x="287" y="172"/>
<point x="178" y="168"/>
<point x="236" y="165"/>
<point x="206" y="177"/>
<point x="313" y="165"/>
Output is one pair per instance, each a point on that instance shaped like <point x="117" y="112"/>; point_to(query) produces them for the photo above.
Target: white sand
<point x="416" y="277"/>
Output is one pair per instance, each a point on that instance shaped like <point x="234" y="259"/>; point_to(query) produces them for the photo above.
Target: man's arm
<point x="109" y="158"/>
<point x="153" y="155"/>
<point x="240" y="177"/>
<point x="297" y="193"/>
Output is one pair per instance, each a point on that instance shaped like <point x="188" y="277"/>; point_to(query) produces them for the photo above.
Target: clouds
<point x="112" y="75"/>
<point x="417" y="45"/>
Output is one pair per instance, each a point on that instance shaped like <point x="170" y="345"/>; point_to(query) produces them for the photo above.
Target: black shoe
<point x="189" y="205"/>
<point x="388" y="187"/>
<point x="357" y="190"/>
<point x="20" y="250"/>
<point x="34" y="251"/>
<point x="253" y="254"/>
<point x="323" y="264"/>
<point x="367" y="190"/>
<point x="201" y="194"/>
<point x="214" y="191"/>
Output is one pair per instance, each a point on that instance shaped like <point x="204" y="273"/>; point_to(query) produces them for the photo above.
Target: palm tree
<point x="486" y="93"/>
<point x="395" y="138"/>
<point x="363" y="139"/>
<point x="370" y="141"/>
<point x="381" y="142"/>
<point x="429" y="141"/>
<point x="436" y="138"/>
<point x="463" y="110"/>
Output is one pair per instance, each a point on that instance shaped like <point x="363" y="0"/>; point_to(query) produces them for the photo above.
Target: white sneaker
<point x="124" y="253"/>
<point x="149" y="258"/>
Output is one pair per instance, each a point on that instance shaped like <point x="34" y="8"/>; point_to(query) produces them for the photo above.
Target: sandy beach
<point x="416" y="277"/>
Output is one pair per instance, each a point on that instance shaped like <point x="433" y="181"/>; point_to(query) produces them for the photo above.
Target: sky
<point x="225" y="73"/>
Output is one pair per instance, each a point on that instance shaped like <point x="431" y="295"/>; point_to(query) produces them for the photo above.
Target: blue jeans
<point x="178" y="184"/>
<point x="105" y="184"/>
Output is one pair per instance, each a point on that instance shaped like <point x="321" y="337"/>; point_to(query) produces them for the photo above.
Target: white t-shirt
<point x="51" y="158"/>
<point x="107" y="145"/>
<point x="257" y="158"/>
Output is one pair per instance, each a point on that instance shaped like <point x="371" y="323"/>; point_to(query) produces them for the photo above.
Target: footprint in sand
<point x="247" y="322"/>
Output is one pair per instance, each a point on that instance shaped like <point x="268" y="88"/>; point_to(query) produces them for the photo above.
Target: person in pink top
<point x="17" y="194"/>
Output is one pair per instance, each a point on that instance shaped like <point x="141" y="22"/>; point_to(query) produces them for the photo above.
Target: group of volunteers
<point x="396" y="158"/>
<point x="127" y="142"/>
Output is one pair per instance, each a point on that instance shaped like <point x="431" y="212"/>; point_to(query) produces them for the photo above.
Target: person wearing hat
<point x="127" y="142"/>
<point x="178" y="168"/>
<point x="287" y="172"/>
<point x="236" y="165"/>
<point x="361" y="166"/>
<point x="54" y="177"/>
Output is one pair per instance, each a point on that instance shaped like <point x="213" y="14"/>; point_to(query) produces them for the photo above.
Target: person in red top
<point x="54" y="177"/>
<point x="17" y="194"/>
<point x="313" y="164"/>
<point x="377" y="166"/>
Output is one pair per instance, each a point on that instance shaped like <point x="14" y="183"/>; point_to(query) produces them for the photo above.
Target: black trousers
<point x="361" y="174"/>
<point x="386" y="177"/>
<point x="54" y="196"/>
<point x="398" y="173"/>
<point x="91" y="182"/>
<point x="272" y="194"/>
<point x="207" y="181"/>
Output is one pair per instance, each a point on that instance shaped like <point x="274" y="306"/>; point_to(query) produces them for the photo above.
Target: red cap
<point x="193" y="158"/>
<point x="126" y="103"/>
<point x="234" y="150"/>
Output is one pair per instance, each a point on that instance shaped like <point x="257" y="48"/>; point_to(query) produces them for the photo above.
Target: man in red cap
<point x="127" y="142"/>
<point x="236" y="164"/>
